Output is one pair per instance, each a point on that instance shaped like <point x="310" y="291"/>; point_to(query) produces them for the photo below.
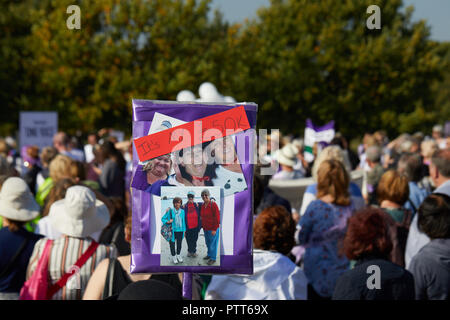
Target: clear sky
<point x="436" y="12"/>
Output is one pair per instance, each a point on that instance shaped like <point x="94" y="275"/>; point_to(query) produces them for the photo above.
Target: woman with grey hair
<point x="210" y="217"/>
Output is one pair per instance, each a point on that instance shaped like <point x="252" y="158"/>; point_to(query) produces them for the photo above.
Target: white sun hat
<point x="288" y="155"/>
<point x="16" y="201"/>
<point x="79" y="214"/>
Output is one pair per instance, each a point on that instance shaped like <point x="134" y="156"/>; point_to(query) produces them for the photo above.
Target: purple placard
<point x="144" y="221"/>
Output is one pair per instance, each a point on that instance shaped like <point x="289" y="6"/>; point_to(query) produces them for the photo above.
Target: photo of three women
<point x="187" y="220"/>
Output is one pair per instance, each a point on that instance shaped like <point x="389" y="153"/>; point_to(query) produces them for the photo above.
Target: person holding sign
<point x="193" y="224"/>
<point x="210" y="216"/>
<point x="176" y="217"/>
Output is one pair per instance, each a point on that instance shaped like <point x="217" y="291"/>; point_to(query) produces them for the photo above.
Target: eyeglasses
<point x="204" y="196"/>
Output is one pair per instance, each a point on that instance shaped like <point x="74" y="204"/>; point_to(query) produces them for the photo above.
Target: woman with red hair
<point x="374" y="277"/>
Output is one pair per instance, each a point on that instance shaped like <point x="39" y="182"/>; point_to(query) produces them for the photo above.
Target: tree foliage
<point x="299" y="59"/>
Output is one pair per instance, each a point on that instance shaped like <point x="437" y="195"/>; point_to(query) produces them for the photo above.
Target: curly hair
<point x="367" y="234"/>
<point x="274" y="229"/>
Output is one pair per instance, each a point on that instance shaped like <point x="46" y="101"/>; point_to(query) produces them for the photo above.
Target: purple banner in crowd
<point x="225" y="222"/>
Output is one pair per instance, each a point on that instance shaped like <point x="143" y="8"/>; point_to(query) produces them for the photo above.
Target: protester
<point x="59" y="168"/>
<point x="331" y="153"/>
<point x="275" y="275"/>
<point x="431" y="265"/>
<point x="112" y="276"/>
<point x="342" y="142"/>
<point x="210" y="217"/>
<point x="32" y="166"/>
<point x="77" y="216"/>
<point x="112" y="176"/>
<point x="61" y="142"/>
<point x="440" y="175"/>
<point x="58" y="192"/>
<point x="92" y="140"/>
<point x="373" y="173"/>
<point x="367" y="241"/>
<point x="177" y="218"/>
<point x="47" y="155"/>
<point x="410" y="165"/>
<point x="392" y="193"/>
<point x="264" y="197"/>
<point x="17" y="206"/>
<point x="428" y="148"/>
<point x="287" y="158"/>
<point x="114" y="231"/>
<point x="438" y="135"/>
<point x="301" y="164"/>
<point x="321" y="228"/>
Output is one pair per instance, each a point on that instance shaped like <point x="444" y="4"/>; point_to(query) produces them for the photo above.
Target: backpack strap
<point x="80" y="262"/>
<point x="13" y="260"/>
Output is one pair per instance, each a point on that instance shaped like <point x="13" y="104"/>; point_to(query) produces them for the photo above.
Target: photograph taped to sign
<point x="204" y="144"/>
<point x="194" y="215"/>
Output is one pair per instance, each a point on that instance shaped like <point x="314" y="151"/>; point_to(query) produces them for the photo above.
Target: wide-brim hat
<point x="79" y="214"/>
<point x="288" y="155"/>
<point x="17" y="202"/>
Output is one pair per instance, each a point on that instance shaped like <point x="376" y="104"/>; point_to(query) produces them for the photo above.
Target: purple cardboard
<point x="143" y="220"/>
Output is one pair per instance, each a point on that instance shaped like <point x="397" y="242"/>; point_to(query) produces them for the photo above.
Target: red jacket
<point x="210" y="216"/>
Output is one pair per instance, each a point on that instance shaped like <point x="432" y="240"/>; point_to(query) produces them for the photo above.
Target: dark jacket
<point x="10" y="243"/>
<point x="270" y="199"/>
<point x="396" y="283"/>
<point x="431" y="270"/>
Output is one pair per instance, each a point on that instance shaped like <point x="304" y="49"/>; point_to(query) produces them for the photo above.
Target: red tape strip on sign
<point x="192" y="133"/>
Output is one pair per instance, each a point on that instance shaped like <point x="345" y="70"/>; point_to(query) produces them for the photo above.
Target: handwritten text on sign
<point x="192" y="133"/>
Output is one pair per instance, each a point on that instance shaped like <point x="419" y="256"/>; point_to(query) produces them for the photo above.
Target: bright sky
<point x="436" y="12"/>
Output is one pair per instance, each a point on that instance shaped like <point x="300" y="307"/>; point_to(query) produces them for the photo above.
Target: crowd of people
<point x="66" y="209"/>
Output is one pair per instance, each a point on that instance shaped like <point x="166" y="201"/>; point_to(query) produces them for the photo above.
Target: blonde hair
<point x="428" y="148"/>
<point x="331" y="153"/>
<point x="61" y="167"/>
<point x="333" y="180"/>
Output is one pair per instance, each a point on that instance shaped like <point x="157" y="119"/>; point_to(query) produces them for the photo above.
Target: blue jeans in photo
<point x="211" y="243"/>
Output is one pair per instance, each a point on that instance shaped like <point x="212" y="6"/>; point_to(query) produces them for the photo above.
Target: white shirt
<point x="89" y="153"/>
<point x="275" y="277"/>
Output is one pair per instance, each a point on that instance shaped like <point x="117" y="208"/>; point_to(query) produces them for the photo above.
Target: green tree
<point x="124" y="50"/>
<point x="15" y="85"/>
<point x="316" y="59"/>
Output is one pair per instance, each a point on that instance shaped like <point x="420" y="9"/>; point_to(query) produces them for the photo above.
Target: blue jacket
<point x="171" y="215"/>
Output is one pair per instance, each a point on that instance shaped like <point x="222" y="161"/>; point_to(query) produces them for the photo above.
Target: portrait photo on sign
<point x="213" y="163"/>
<point x="190" y="226"/>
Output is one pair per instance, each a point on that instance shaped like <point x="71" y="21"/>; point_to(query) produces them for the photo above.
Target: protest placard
<point x="222" y="191"/>
<point x="38" y="128"/>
